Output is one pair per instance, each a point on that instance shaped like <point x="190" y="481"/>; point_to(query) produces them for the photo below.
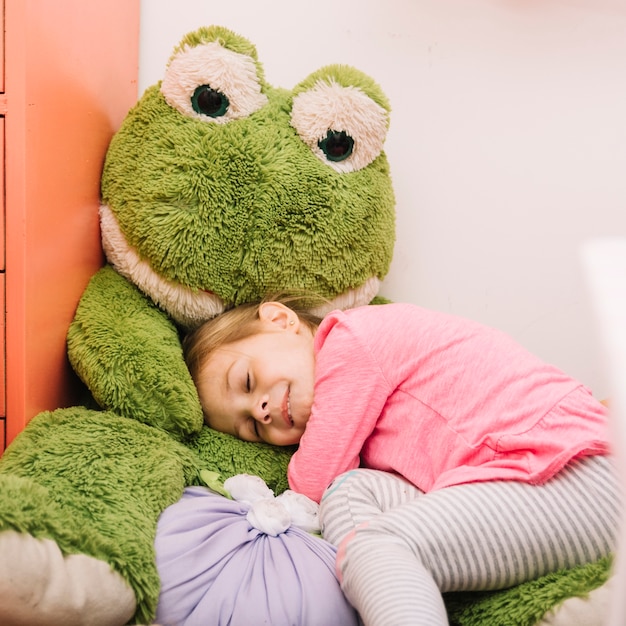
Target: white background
<point x="507" y="144"/>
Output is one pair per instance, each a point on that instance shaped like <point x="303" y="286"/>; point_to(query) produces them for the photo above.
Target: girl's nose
<point x="261" y="411"/>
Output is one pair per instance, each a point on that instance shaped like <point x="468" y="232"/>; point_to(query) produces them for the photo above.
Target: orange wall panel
<point x="60" y="117"/>
<point x="2" y="260"/>
<point x="2" y="366"/>
<point x="1" y="45"/>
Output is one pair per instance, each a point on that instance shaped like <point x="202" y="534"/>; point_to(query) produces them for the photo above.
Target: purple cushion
<point x="216" y="569"/>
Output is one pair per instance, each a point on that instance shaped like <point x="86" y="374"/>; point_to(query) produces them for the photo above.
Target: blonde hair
<point x="236" y="324"/>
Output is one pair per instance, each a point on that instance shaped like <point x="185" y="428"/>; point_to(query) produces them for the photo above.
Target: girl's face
<point x="261" y="388"/>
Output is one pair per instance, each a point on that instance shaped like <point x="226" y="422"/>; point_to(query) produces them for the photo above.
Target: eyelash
<point x="253" y="422"/>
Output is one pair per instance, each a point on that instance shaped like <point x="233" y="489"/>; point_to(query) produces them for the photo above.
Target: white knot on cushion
<point x="273" y="515"/>
<point x="269" y="516"/>
<point x="304" y="511"/>
<point x="247" y="489"/>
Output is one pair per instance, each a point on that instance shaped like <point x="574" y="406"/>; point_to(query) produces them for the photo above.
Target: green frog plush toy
<point x="217" y="190"/>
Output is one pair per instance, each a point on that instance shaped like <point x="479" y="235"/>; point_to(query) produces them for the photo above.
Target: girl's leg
<point x="351" y="501"/>
<point x="475" y="536"/>
<point x="358" y="496"/>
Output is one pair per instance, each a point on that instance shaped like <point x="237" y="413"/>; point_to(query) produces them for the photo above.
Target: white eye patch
<point x="223" y="71"/>
<point x="329" y="106"/>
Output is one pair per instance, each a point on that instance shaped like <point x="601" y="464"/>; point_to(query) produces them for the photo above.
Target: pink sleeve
<point x="350" y="393"/>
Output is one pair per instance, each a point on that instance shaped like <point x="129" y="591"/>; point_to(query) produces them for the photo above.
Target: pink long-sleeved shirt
<point x="440" y="400"/>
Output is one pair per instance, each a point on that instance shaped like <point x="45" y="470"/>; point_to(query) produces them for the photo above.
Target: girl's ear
<point x="278" y="315"/>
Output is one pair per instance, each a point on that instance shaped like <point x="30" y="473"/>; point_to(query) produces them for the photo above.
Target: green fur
<point x="347" y="77"/>
<point x="526" y="604"/>
<point x="77" y="477"/>
<point x="129" y="355"/>
<point x="226" y="38"/>
<point x="228" y="456"/>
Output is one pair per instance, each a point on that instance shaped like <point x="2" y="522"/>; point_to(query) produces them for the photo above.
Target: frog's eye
<point x="342" y="125"/>
<point x="208" y="101"/>
<point x="337" y="145"/>
<point x="212" y="83"/>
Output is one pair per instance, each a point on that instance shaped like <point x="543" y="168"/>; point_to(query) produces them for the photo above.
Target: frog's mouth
<point x="190" y="307"/>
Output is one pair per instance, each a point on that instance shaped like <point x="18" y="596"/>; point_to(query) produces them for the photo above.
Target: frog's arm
<point x="128" y="353"/>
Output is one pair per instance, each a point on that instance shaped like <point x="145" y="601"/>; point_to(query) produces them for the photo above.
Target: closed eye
<point x="248" y="382"/>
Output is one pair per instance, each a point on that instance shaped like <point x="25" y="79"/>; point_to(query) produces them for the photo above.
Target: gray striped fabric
<point x="400" y="548"/>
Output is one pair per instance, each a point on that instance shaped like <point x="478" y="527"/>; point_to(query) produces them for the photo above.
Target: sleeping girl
<point x="446" y="456"/>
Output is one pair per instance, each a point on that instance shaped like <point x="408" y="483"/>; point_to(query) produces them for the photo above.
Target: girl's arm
<point x="350" y="393"/>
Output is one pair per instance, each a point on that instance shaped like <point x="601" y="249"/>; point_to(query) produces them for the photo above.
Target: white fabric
<point x="589" y="611"/>
<point x="39" y="586"/>
<point x="604" y="263"/>
<point x="269" y="514"/>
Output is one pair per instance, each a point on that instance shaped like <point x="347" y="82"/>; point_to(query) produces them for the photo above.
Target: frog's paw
<point x="39" y="586"/>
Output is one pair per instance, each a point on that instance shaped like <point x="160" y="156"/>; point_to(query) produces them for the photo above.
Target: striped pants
<point x="399" y="549"/>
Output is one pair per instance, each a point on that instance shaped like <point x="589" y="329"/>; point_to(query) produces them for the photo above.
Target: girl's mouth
<point x="286" y="409"/>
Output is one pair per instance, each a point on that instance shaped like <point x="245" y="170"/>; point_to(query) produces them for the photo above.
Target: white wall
<point x="507" y="146"/>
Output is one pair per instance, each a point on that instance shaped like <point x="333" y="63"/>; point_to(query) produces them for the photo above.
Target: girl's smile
<point x="287" y="409"/>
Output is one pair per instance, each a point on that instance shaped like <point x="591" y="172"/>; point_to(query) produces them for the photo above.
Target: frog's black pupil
<point x="208" y="101"/>
<point x="337" y="145"/>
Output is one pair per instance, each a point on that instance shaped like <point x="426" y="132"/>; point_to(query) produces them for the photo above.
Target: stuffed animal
<point x="217" y="189"/>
